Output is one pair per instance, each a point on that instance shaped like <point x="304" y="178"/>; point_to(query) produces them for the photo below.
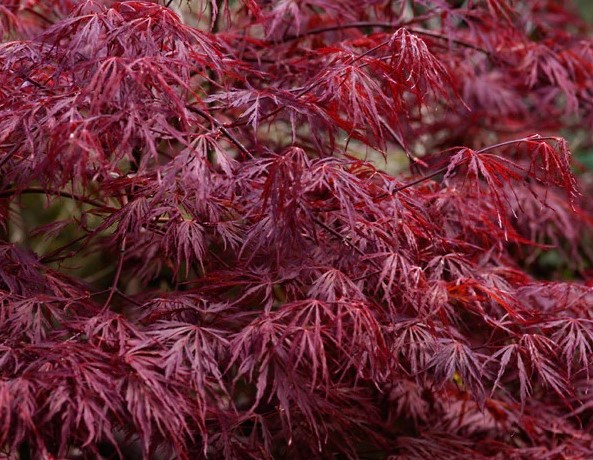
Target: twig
<point x="384" y="25"/>
<point x="39" y="190"/>
<point x="344" y="240"/>
<point x="222" y="129"/>
<point x="120" y="264"/>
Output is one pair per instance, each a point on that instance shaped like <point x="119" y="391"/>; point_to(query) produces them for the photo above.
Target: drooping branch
<point x="384" y="25"/>
<point x="223" y="129"/>
<point x="9" y="193"/>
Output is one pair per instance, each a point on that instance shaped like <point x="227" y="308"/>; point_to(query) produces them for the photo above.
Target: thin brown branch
<point x="344" y="240"/>
<point x="118" y="270"/>
<point x="41" y="191"/>
<point x="384" y="25"/>
<point x="483" y="150"/>
<point x="222" y="128"/>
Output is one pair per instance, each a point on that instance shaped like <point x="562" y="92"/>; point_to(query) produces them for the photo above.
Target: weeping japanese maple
<point x="295" y="229"/>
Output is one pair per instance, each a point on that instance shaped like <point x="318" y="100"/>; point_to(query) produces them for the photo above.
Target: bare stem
<point x="41" y="191"/>
<point x="223" y="129"/>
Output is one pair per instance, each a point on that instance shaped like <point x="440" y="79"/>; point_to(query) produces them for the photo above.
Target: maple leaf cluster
<point x="294" y="229"/>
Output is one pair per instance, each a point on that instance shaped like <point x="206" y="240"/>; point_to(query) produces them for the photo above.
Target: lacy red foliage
<point x="198" y="257"/>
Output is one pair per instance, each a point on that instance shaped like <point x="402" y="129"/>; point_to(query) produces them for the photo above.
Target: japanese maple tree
<point x="295" y="229"/>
